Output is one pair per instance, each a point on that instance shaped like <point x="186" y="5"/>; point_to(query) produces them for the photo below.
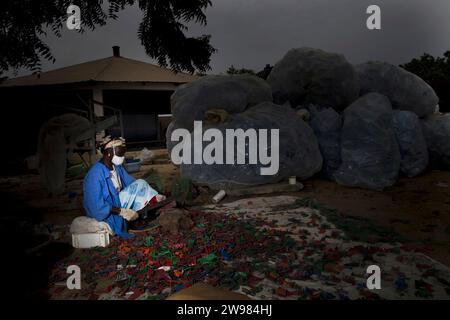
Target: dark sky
<point x="251" y="33"/>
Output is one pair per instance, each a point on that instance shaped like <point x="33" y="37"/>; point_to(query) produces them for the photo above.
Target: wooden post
<point x="99" y="111"/>
<point x="93" y="140"/>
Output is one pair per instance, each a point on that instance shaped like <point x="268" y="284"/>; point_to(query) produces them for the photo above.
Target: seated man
<point x="111" y="194"/>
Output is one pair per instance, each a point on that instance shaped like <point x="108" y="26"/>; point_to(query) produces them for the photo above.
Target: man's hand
<point x="160" y="197"/>
<point x="128" y="214"/>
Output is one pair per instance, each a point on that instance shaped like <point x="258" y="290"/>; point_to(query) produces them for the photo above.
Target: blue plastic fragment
<point x="72" y="194"/>
<point x="327" y="296"/>
<point x="360" y="286"/>
<point x="343" y="297"/>
<point x="224" y="254"/>
<point x="308" y="291"/>
<point x="178" y="287"/>
<point x="401" y="284"/>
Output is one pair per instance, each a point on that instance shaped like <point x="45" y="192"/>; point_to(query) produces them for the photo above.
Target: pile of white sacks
<point x="361" y="126"/>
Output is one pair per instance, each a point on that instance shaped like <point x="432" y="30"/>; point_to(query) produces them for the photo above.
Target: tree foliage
<point x="262" y="74"/>
<point x="436" y="72"/>
<point x="233" y="70"/>
<point x="162" y="31"/>
<point x="430" y="68"/>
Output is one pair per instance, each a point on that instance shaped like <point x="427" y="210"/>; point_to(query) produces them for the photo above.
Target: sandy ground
<point x="418" y="209"/>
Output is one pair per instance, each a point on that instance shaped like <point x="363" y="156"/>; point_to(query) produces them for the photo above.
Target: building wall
<point x="26" y="109"/>
<point x="140" y="110"/>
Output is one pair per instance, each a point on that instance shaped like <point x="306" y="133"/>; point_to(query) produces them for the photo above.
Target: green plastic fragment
<point x="209" y="259"/>
<point x="164" y="253"/>
<point x="240" y="276"/>
<point x="148" y="241"/>
<point x="423" y="293"/>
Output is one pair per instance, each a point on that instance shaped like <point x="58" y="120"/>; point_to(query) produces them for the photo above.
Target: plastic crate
<point x="90" y="240"/>
<point x="132" y="166"/>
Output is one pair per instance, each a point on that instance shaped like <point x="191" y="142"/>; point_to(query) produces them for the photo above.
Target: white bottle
<point x="219" y="196"/>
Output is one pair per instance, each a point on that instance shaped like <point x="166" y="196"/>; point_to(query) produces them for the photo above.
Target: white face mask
<point x="117" y="160"/>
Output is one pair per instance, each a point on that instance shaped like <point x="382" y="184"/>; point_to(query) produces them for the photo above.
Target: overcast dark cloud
<point x="252" y="33"/>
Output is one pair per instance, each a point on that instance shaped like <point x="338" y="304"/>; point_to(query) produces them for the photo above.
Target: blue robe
<point x="100" y="196"/>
